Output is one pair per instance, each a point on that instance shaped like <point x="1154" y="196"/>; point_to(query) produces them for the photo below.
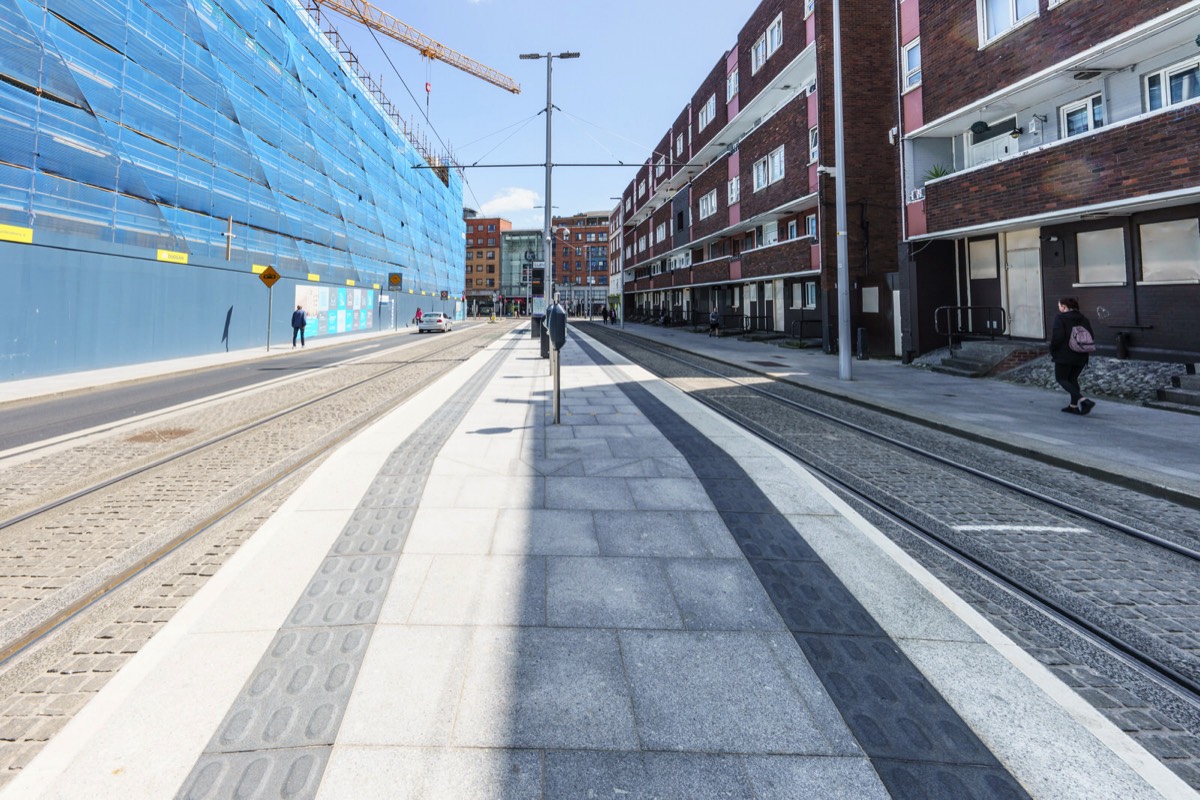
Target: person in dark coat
<point x="1069" y="363"/>
<point x="299" y="322"/>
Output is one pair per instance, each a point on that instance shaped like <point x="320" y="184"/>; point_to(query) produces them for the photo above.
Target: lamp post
<point x="549" y="164"/>
<point x="839" y="154"/>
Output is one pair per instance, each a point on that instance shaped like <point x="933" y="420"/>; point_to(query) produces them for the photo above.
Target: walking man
<point x="299" y="321"/>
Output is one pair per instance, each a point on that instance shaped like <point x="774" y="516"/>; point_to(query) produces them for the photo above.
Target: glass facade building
<point x="184" y="145"/>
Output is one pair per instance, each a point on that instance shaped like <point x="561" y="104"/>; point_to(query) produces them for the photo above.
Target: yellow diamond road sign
<point x="268" y="276"/>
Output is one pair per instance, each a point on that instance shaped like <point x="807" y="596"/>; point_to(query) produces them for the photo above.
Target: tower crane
<point x="385" y="23"/>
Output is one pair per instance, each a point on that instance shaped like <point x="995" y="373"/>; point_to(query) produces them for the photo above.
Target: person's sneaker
<point x="1071" y="410"/>
<point x="1086" y="406"/>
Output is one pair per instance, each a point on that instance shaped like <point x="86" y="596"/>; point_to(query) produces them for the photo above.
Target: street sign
<point x="395" y="281"/>
<point x="268" y="276"/>
<point x="445" y="295"/>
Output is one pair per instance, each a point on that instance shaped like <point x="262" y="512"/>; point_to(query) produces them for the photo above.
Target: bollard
<point x="1122" y="345"/>
<point x="863" y="350"/>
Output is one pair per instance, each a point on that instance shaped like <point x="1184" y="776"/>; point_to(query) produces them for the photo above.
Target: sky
<point x="639" y="64"/>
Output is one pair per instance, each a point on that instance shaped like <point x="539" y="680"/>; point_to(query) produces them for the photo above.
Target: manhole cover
<point x="768" y="363"/>
<point x="160" y="435"/>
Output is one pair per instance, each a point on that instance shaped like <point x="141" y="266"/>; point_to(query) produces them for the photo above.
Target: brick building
<point x="581" y="258"/>
<point x="482" y="272"/>
<point x="1048" y="150"/>
<point x="735" y="208"/>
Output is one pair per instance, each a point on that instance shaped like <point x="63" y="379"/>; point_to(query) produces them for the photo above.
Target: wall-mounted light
<point x="1016" y="133"/>
<point x="1035" y="124"/>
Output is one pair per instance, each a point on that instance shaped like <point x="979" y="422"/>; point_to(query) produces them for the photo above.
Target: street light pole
<point x="839" y="154"/>
<point x="548" y="242"/>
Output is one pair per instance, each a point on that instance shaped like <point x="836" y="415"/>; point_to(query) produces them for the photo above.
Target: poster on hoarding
<point x="336" y="309"/>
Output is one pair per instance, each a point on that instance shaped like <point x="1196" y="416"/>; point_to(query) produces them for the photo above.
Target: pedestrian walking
<point x="417" y="316"/>
<point x="299" y="322"/>
<point x="714" y="323"/>
<point x="1071" y="341"/>
<point x="604" y="315"/>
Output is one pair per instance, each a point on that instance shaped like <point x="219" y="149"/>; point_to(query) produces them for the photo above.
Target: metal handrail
<point x="964" y="322"/>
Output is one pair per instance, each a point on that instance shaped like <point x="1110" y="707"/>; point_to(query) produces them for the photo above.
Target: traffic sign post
<point x="268" y="276"/>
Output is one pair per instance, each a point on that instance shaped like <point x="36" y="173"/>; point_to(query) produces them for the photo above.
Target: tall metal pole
<point x="839" y="153"/>
<point x="549" y="282"/>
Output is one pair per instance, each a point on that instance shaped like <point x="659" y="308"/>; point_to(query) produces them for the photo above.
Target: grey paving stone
<point x="585" y="493"/>
<point x="362" y="773"/>
<point x="645" y="776"/>
<point x="670" y="494"/>
<point x="545" y="687"/>
<point x="256" y="775"/>
<point x="609" y="593"/>
<point x="811" y="599"/>
<point x="579" y="448"/>
<point x="721" y="594"/>
<point x="716" y="692"/>
<point x="664" y="534"/>
<point x="808" y="777"/>
<point x="541" y="531"/>
<point x="482" y="590"/>
<point x="933" y="781"/>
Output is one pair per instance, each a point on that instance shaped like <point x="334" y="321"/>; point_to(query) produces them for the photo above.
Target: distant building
<point x="482" y="270"/>
<point x="519" y="250"/>
<point x="1050" y="149"/>
<point x="735" y="207"/>
<point x="581" y="258"/>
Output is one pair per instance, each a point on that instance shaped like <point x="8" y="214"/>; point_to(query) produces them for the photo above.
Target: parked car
<point x="435" y="321"/>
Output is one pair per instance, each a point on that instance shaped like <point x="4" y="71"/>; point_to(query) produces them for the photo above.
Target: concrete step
<point x="948" y="367"/>
<point x="1187" y="397"/>
<point x="1182" y="408"/>
<point x="1186" y="382"/>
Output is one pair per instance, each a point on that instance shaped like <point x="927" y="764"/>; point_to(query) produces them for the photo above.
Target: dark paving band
<point x="917" y="743"/>
<point x="277" y="737"/>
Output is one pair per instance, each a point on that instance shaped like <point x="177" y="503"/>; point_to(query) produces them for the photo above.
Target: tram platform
<point x="468" y="600"/>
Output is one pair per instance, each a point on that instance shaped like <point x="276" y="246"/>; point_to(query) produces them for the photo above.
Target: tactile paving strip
<point x="276" y="739"/>
<point x="916" y="741"/>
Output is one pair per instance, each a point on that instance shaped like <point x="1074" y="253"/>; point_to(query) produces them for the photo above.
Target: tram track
<point x="1049" y="550"/>
<point x="158" y="505"/>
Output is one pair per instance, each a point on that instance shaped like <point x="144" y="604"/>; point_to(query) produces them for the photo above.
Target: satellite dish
<point x="979" y="127"/>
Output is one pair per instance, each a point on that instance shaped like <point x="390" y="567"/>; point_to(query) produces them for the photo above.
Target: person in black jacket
<point x="1069" y="363"/>
<point x="299" y="322"/>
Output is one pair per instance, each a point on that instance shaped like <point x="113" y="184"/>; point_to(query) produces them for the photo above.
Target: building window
<point x="491" y="254"/>
<point x="1172" y="85"/>
<point x="491" y="283"/>
<point x="660" y="232"/>
<point x="708" y="111"/>
<point x="468" y="259"/>
<point x="984" y="259"/>
<point x="775" y="36"/>
<point x="708" y="204"/>
<point x="792" y="229"/>
<point x="731" y="85"/>
<point x="491" y="241"/>
<point x="758" y="54"/>
<point x="1083" y="116"/>
<point x="491" y="228"/>
<point x="775" y="164"/>
<point x="810" y="226"/>
<point x="998" y="17"/>
<point x="809" y="7"/>
<point x="628" y="203"/>
<point x="661" y="166"/>
<point x="1100" y="256"/>
<point x="735" y="189"/>
<point x="912" y="64"/>
<point x="814" y="151"/>
<point x="1170" y="251"/>
<point x="679" y="145"/>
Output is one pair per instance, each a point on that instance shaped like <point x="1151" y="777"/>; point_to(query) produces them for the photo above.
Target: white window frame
<point x="707" y="112"/>
<point x="814" y="149"/>
<point x="775" y="165"/>
<point x="641" y="189"/>
<point x="1089" y="105"/>
<point x="912" y="75"/>
<point x="758" y="54"/>
<point x="775" y="35"/>
<point x="792" y="229"/>
<point x="760" y="174"/>
<point x="810" y="226"/>
<point x="679" y="145"/>
<point x="660" y="166"/>
<point x="708" y="204"/>
<point x="735" y="189"/>
<point x="809" y="7"/>
<point x="731" y="85"/>
<point x="1013" y="21"/>
<point x="660" y="232"/>
<point x="1164" y="78"/>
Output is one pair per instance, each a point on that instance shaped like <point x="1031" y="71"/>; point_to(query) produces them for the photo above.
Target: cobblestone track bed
<point x="50" y="561"/>
<point x="1150" y="595"/>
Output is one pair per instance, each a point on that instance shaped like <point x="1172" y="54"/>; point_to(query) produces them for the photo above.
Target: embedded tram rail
<point x="1096" y="580"/>
<point x="86" y="518"/>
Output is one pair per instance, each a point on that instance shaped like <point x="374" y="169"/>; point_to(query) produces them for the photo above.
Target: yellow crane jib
<point x="385" y="23"/>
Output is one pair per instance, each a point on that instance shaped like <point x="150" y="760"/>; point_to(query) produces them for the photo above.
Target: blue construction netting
<point x="153" y="123"/>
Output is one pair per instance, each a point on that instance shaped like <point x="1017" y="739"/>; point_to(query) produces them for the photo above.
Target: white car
<point x="434" y="321"/>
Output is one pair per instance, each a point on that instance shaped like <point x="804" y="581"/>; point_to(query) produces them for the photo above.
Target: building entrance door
<point x="1023" y="282"/>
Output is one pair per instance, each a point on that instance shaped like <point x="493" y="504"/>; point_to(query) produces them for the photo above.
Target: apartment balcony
<point x="781" y="258"/>
<point x="1146" y="162"/>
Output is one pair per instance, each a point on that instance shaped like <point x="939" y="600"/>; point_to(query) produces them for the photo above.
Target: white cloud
<point x="510" y="202"/>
